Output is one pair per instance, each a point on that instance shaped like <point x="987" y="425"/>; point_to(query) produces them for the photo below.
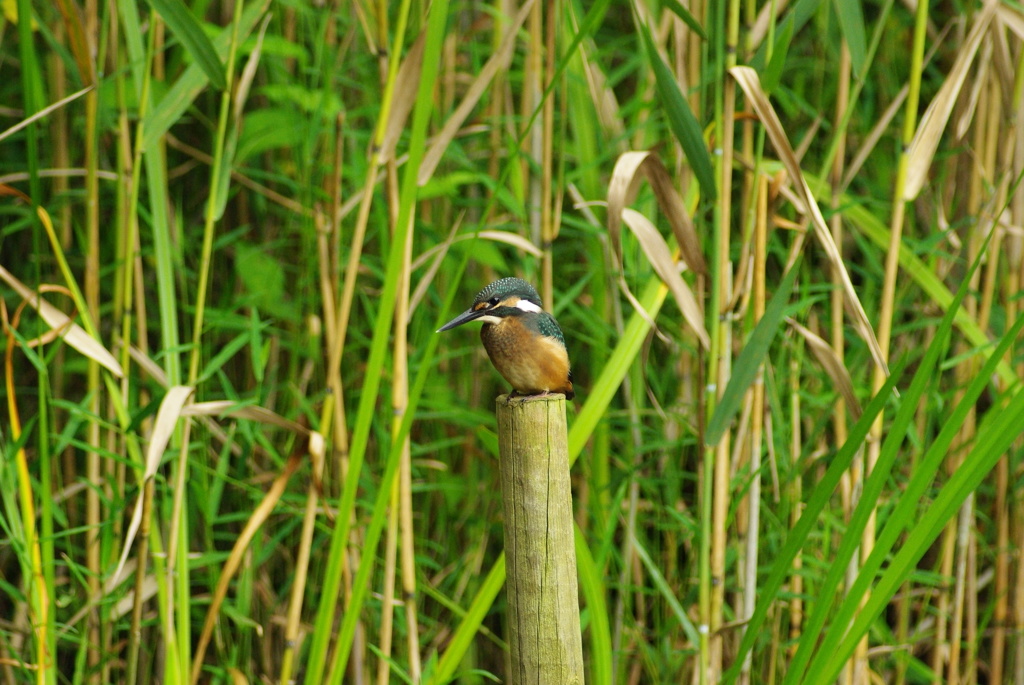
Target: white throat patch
<point x="527" y="306"/>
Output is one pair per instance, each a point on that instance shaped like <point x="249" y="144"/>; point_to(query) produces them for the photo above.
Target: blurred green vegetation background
<point x="783" y="241"/>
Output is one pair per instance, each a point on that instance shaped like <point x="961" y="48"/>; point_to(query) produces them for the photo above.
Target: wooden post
<point x="543" y="602"/>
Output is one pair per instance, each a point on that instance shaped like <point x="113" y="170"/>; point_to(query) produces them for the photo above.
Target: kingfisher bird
<point x="523" y="341"/>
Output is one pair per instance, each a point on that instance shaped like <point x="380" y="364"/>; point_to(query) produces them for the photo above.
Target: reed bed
<point x="783" y="240"/>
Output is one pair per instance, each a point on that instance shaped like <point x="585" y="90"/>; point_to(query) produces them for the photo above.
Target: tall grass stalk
<point x="858" y="669"/>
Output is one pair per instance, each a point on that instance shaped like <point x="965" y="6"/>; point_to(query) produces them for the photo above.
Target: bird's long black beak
<point x="464" y="317"/>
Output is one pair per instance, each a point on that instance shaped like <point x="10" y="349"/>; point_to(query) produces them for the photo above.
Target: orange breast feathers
<point x="532" y="364"/>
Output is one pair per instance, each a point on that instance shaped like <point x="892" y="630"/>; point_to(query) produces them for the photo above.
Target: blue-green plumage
<point x="523" y="342"/>
<point x="503" y="287"/>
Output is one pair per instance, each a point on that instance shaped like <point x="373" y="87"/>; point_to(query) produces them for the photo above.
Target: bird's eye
<point x="494" y="301"/>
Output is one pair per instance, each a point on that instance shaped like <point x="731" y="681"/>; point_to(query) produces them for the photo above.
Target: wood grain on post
<point x="543" y="604"/>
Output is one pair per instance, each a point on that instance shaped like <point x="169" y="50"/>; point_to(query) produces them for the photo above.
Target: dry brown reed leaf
<point x="514" y="239"/>
<point x="125" y="604"/>
<point x="501" y="58"/>
<point x="153" y="370"/>
<point x="166" y="420"/>
<point x="73" y="334"/>
<point x="657" y="251"/>
<point x="42" y="114"/>
<point x="602" y="96"/>
<point x="249" y="73"/>
<point x="977" y="86"/>
<point x="24" y="176"/>
<point x="407" y="84"/>
<point x="630" y="169"/>
<point x="253" y="413"/>
<point x="835" y="369"/>
<point x="1005" y="68"/>
<point x="12" y="322"/>
<point x="933" y="123"/>
<point x="751" y="85"/>
<point x="1011" y="18"/>
<point x="584" y="207"/>
<point x="148" y="366"/>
